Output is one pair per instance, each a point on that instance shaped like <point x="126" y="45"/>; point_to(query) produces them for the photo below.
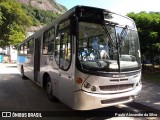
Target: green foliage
<point x="13" y="22"/>
<point x="0" y="17"/>
<point x="148" y="25"/>
<point x="39" y="16"/>
<point x="15" y="18"/>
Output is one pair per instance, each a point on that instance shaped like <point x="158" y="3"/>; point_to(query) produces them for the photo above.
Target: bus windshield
<point x="99" y="51"/>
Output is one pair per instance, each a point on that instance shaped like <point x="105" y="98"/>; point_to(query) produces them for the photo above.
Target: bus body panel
<point x="55" y="83"/>
<point x="66" y="89"/>
<point x="102" y="100"/>
<point x="29" y="67"/>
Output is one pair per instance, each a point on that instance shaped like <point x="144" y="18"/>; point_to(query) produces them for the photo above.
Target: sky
<point x="119" y="6"/>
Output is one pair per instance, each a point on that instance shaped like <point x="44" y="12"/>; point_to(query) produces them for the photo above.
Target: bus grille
<point x="118" y="80"/>
<point x="116" y="87"/>
<point x="115" y="100"/>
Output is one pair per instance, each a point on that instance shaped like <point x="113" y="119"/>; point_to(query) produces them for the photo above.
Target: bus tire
<point x="49" y="90"/>
<point x="22" y="73"/>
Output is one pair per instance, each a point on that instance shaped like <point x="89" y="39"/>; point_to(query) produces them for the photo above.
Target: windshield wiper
<point x="108" y="35"/>
<point x="116" y="46"/>
<point x="121" y="37"/>
<point x="123" y="34"/>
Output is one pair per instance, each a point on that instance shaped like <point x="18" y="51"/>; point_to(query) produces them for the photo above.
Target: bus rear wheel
<point x="49" y="90"/>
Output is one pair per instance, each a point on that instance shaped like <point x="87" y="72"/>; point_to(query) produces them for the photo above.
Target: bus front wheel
<point x="49" y="90"/>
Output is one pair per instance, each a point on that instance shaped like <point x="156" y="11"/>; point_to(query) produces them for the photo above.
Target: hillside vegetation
<point x="13" y="23"/>
<point x="50" y="5"/>
<point x="17" y="17"/>
<point x="41" y="12"/>
<point x="38" y="16"/>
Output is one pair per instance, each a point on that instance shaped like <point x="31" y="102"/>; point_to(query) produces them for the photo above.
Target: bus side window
<point x="25" y="47"/>
<point x="21" y="49"/>
<point x="57" y="49"/>
<point x="48" y="41"/>
<point x="30" y="46"/>
<point x="65" y="50"/>
<point x="50" y="47"/>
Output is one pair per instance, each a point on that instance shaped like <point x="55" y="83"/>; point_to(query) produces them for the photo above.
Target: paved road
<point x="23" y="95"/>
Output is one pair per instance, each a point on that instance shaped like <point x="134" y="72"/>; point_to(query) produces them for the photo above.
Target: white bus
<point x="88" y="58"/>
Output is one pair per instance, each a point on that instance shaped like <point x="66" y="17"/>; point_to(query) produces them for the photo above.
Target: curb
<point x="8" y="64"/>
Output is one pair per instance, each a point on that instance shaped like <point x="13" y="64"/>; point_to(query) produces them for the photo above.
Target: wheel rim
<point x="49" y="88"/>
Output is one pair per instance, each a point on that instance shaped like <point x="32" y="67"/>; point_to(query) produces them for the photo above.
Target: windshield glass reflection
<point x="98" y="50"/>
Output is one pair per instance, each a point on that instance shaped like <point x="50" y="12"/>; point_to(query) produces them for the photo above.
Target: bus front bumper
<point x="87" y="101"/>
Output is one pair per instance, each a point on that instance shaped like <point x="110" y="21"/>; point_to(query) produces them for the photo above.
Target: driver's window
<point x="93" y="43"/>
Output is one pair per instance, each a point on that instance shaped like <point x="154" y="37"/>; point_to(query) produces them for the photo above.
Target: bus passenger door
<point x="37" y="59"/>
<point x="65" y="66"/>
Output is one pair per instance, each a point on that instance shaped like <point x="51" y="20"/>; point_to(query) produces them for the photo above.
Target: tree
<point x="0" y="17"/>
<point x="13" y="22"/>
<point x="148" y="25"/>
<point x="39" y="16"/>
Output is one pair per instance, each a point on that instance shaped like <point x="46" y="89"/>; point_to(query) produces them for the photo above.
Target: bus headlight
<point x="138" y="83"/>
<point x="79" y="80"/>
<point x="87" y="85"/>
